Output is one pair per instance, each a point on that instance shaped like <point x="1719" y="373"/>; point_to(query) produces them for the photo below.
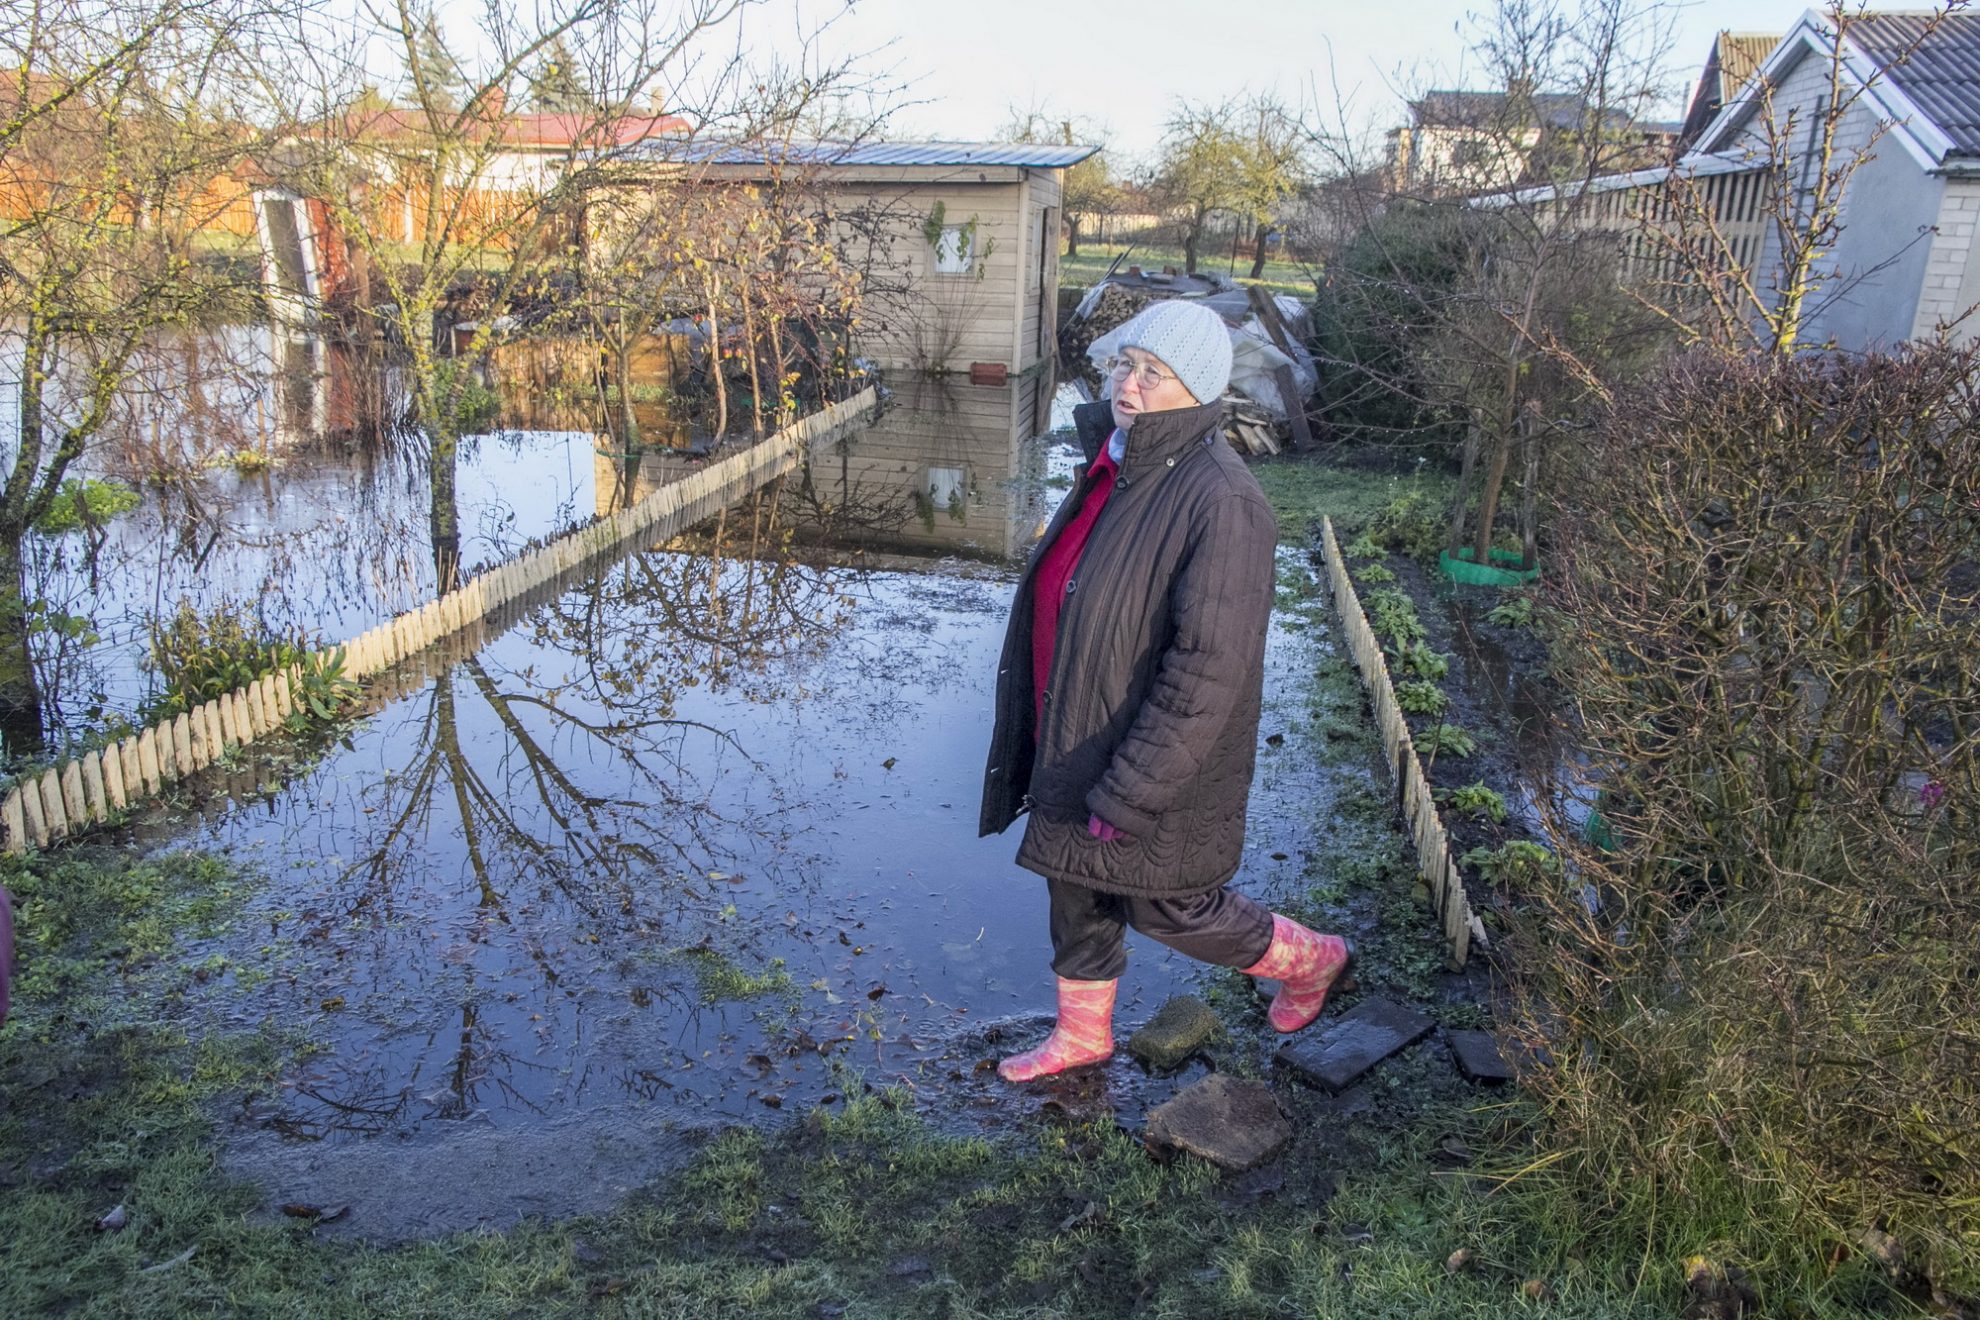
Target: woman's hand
<point x="1100" y="829"/>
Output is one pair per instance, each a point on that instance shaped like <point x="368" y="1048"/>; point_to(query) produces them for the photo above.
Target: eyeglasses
<point x="1120" y="368"/>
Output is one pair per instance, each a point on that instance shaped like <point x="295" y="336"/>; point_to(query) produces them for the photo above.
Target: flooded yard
<point x="689" y="841"/>
<point x="692" y="843"/>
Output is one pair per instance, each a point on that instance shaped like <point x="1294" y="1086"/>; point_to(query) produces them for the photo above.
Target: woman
<point x="1128" y="693"/>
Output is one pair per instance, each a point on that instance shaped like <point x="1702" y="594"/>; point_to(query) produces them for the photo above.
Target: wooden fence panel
<point x="1419" y="810"/>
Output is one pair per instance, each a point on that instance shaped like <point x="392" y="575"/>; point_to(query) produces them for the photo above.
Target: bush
<point x="1413" y="525"/>
<point x="1417" y="658"/>
<point x="1392" y="614"/>
<point x="1515" y="613"/>
<point x="1370" y="316"/>
<point x="1767" y="1017"/>
<point x="199" y="657"/>
<point x="88" y="499"/>
<point x="1520" y="864"/>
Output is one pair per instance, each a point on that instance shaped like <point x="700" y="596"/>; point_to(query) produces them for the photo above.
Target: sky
<point x="1120" y="67"/>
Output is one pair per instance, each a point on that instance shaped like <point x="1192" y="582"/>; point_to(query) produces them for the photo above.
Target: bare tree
<point x="119" y="125"/>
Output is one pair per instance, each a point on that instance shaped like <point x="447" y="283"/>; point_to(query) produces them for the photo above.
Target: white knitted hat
<point x="1189" y="338"/>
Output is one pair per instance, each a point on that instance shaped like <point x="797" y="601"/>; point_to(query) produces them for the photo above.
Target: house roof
<point x="1918" y="72"/>
<point x="878" y="154"/>
<point x="1735" y="57"/>
<point x="1456" y="109"/>
<point x="1739" y="56"/>
<point x="548" y="131"/>
<point x="1941" y="74"/>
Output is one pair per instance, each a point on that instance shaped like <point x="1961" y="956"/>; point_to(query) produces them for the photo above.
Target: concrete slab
<point x="1362" y="1037"/>
<point x="1183" y="1026"/>
<point x="1478" y="1057"/>
<point x="1233" y="1124"/>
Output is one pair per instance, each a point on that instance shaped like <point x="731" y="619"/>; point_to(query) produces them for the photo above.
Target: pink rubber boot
<point x="1305" y="964"/>
<point x="1085" y="1033"/>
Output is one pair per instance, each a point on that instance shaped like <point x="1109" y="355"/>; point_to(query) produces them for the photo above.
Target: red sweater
<point x="1055" y="570"/>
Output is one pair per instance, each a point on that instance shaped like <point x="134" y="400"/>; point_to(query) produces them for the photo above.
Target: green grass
<point x="1302" y="490"/>
<point x="864" y="1210"/>
<point x="1090" y="266"/>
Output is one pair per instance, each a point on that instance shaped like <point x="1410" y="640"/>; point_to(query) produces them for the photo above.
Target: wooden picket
<point x="113" y="778"/>
<point x="1461" y="927"/>
<point x="31" y="813"/>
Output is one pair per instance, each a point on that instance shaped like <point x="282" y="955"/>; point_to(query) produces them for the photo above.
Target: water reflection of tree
<point x="589" y="790"/>
<point x="713" y="616"/>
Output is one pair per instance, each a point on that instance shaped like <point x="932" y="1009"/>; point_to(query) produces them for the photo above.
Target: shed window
<point x="948" y="490"/>
<point x="954" y="250"/>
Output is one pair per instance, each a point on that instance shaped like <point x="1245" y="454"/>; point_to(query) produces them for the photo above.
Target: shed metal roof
<point x="1028" y="155"/>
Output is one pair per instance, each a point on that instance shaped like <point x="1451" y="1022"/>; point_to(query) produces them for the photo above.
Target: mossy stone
<point x="1182" y="1027"/>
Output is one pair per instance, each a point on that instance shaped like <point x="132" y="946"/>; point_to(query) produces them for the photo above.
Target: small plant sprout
<point x="1417" y="658"/>
<point x="1480" y="801"/>
<point x="1419" y="696"/>
<point x="1514" y="613"/>
<point x="1445" y="740"/>
<point x="1375" y="574"/>
<point x="1520" y="862"/>
<point x="1392" y="614"/>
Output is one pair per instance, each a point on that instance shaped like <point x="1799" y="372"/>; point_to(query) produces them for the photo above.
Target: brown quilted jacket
<point x="1151" y="709"/>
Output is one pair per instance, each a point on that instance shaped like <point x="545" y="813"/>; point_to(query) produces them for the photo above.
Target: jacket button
<point x="1120" y="483"/>
<point x="1172" y="462"/>
<point x="1045" y="697"/>
<point x="1071" y="586"/>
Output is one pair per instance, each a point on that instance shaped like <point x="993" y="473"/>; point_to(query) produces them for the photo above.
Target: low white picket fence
<point x="92" y="788"/>
<point x="1433" y="845"/>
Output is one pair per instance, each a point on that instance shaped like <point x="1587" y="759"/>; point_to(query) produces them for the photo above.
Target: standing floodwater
<point x="695" y="841"/>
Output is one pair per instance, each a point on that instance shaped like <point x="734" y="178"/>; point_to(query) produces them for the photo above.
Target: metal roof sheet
<point x="1935" y="63"/>
<point x="868" y="154"/>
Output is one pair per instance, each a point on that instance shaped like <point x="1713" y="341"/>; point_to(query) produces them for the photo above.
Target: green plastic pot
<point x="1462" y="569"/>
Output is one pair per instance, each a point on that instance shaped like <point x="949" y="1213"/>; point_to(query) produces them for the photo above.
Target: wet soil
<point x="1502" y="694"/>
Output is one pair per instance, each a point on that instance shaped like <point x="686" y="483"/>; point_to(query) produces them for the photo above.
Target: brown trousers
<point x="1089" y="928"/>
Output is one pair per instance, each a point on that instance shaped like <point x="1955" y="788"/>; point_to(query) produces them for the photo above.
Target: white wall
<point x="1871" y="277"/>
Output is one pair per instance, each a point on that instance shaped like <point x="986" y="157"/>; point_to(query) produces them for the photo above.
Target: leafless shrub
<point x="1763" y="997"/>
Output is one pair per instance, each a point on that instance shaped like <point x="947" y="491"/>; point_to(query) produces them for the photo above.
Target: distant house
<point x="1461" y="143"/>
<point x="1905" y="261"/>
<point x="1735" y="58"/>
<point x="499" y="157"/>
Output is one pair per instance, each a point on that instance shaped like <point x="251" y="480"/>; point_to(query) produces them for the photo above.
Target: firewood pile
<point x="1114" y="306"/>
<point x="1252" y="430"/>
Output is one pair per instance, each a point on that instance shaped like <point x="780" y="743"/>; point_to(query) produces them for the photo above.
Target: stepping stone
<point x="1182" y="1027"/>
<point x="1478" y="1057"/>
<point x="1362" y="1037"/>
<point x="1233" y="1124"/>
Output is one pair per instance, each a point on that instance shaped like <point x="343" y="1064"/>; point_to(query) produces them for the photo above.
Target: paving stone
<point x="1233" y="1124"/>
<point x="1478" y="1057"/>
<point x="1362" y="1037"/>
<point x="1180" y="1029"/>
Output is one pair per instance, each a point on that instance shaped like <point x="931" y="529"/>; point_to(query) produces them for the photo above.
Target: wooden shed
<point x="957" y="242"/>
